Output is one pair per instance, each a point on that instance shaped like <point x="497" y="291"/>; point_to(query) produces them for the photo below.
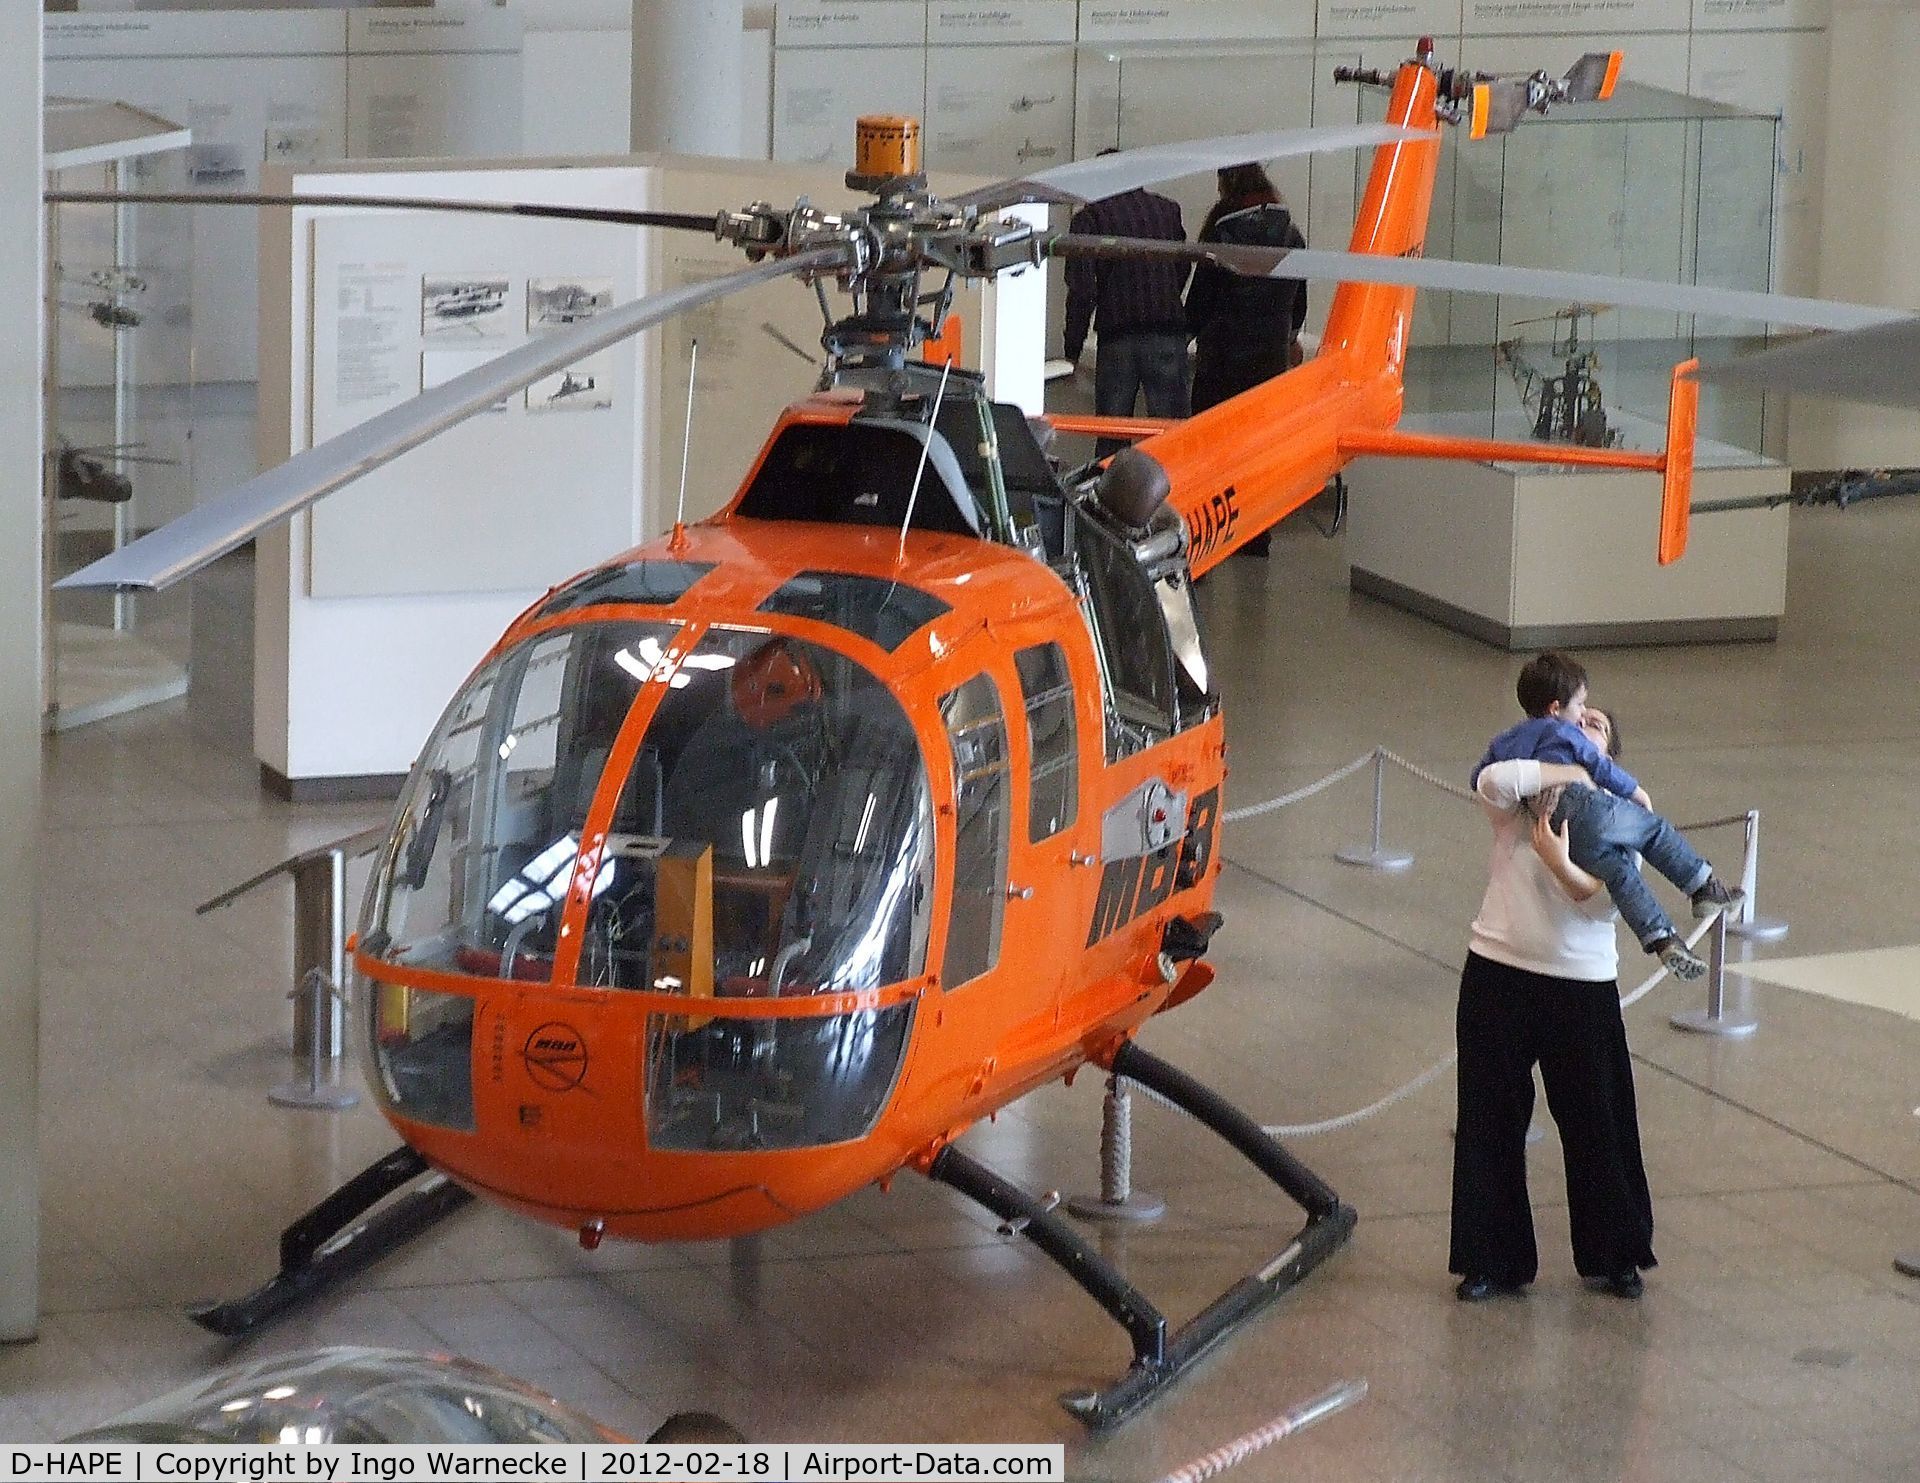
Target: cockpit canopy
<point x="768" y="832"/>
<point x="779" y="775"/>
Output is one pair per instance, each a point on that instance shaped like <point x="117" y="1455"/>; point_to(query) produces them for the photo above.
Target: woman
<point x="1540" y="986"/>
<point x="1246" y="330"/>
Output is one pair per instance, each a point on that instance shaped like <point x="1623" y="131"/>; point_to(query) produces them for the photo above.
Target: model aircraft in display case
<point x="1568" y="407"/>
<point x="757" y="864"/>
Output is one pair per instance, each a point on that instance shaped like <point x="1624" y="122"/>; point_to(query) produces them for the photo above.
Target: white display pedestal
<point x="1528" y="557"/>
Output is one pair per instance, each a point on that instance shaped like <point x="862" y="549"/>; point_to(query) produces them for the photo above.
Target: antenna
<point x="686" y="454"/>
<point x="925" y="448"/>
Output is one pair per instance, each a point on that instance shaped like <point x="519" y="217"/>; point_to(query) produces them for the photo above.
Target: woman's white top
<point x="1526" y="919"/>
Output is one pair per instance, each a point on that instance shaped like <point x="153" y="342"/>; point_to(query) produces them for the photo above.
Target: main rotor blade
<point x="1875" y="365"/>
<point x="205" y="534"/>
<point x="1487" y="278"/>
<point x="676" y="220"/>
<point x="1082" y="181"/>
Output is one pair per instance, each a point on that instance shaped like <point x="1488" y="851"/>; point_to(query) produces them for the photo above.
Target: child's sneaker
<point x="1673" y="953"/>
<point x="1715" y="895"/>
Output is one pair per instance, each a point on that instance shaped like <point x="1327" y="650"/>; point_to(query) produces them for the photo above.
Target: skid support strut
<point x="332" y="1241"/>
<point x="1160" y="1357"/>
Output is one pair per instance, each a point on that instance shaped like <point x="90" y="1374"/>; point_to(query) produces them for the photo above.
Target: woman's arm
<point x="1505" y="785"/>
<point x="1551" y="846"/>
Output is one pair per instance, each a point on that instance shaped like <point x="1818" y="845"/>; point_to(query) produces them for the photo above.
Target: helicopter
<point x="756" y="864"/>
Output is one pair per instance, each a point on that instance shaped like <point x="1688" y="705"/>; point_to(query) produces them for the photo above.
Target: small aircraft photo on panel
<point x="553" y="303"/>
<point x="463" y="308"/>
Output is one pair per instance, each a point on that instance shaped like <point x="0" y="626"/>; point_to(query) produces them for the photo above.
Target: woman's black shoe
<point x="1625" y="1284"/>
<point x="1479" y="1289"/>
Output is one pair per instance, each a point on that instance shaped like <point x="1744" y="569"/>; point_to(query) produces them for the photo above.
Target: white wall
<point x="1870" y="219"/>
<point x="20" y="587"/>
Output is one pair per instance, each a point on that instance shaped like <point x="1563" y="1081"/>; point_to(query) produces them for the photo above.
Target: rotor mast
<point x="889" y="246"/>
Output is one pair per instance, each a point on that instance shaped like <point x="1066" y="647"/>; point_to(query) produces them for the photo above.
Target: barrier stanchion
<point x="1714" y="1019"/>
<point x="319" y="961"/>
<point x="315" y="1093"/>
<point x="1117" y="1199"/>
<point x="1374" y="856"/>
<point x="1750" y="924"/>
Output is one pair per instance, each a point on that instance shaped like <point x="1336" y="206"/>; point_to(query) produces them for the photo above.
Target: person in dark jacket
<point x="1246" y="330"/>
<point x="1135" y="307"/>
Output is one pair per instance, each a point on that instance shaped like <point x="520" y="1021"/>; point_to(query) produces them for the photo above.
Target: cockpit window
<point x="658" y="583"/>
<point x="491" y="820"/>
<point x="977" y="733"/>
<point x="775" y="834"/>
<point x="859" y="473"/>
<point x="880" y="610"/>
<point x="490" y="825"/>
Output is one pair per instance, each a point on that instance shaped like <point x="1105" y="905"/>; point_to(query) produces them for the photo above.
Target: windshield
<point x="773" y="832"/>
<point x="775" y="835"/>
<point x="491" y="820"/>
<point x="771" y="835"/>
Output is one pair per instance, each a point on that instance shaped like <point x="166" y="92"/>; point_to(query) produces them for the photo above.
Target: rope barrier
<point x="1427" y="777"/>
<point x="1712" y="823"/>
<point x="1282" y="1426"/>
<point x="1441" y="1067"/>
<point x="1298" y="794"/>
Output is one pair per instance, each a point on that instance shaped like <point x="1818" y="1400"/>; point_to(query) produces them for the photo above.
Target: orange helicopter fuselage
<point x="575" y="1153"/>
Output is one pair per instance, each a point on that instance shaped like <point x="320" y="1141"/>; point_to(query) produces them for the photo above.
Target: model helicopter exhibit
<point x="1569" y="407"/>
<point x="757" y="864"/>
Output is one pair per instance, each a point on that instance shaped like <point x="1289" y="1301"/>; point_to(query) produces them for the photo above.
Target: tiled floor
<point x="1775" y="1342"/>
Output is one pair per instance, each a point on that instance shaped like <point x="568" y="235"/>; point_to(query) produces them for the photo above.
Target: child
<point x="1609" y="824"/>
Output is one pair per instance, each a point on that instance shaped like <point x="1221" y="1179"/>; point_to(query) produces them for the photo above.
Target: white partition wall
<point x="1870" y="220"/>
<point x="371" y="608"/>
<point x="290" y="87"/>
<point x="20" y="506"/>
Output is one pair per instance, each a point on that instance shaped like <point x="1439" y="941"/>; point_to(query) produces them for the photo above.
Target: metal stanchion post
<point x="1714" y="1020"/>
<point x="319" y="963"/>
<point x="1375" y="857"/>
<point x="1117" y="1199"/>
<point x="319" y="932"/>
<point x="315" y="1092"/>
<point x="1750" y="924"/>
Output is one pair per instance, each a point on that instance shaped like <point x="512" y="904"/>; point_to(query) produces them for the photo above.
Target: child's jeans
<point x="1604" y="835"/>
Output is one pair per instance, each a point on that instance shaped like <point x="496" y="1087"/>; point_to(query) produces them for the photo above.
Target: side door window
<point x="1130" y="631"/>
<point x="977" y="734"/>
<point x="1053" y="788"/>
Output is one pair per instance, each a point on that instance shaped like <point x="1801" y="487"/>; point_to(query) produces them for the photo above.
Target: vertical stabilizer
<point x="1368" y="323"/>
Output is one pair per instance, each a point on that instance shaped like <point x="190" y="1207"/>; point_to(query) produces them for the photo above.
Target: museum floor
<point x="1775" y="1341"/>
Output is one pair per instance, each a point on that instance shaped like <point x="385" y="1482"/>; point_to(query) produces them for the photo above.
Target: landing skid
<point x="332" y="1241"/>
<point x="1159" y="1358"/>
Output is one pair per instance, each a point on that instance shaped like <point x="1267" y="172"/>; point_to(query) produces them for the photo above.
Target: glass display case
<point x="1651" y="184"/>
<point x="119" y="400"/>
